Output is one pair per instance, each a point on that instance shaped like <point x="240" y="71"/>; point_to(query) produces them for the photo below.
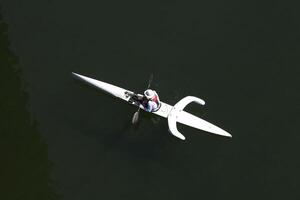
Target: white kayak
<point x="174" y="113"/>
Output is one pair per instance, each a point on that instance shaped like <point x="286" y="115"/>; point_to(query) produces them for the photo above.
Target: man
<point x="151" y="102"/>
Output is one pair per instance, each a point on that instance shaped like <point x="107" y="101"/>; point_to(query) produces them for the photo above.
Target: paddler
<point x="151" y="102"/>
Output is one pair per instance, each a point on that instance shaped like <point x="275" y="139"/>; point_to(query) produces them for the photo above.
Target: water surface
<point x="61" y="139"/>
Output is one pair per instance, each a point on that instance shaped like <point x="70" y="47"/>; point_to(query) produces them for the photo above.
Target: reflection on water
<point x="25" y="170"/>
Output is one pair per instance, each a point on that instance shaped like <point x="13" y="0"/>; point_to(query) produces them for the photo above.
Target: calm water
<point x="61" y="139"/>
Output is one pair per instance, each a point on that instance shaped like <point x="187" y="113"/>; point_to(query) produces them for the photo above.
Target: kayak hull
<point x="165" y="109"/>
<point x="106" y="87"/>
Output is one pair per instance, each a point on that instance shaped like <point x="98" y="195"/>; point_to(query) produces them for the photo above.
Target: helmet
<point x="149" y="94"/>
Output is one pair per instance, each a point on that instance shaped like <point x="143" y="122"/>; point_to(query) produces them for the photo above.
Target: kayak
<point x="173" y="114"/>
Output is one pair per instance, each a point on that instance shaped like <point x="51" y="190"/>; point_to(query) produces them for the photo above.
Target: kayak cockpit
<point x="139" y="100"/>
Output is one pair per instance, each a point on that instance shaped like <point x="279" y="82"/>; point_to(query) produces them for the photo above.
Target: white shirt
<point x="152" y="106"/>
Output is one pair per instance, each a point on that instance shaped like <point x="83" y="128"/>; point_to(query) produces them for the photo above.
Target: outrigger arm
<point x="175" y="112"/>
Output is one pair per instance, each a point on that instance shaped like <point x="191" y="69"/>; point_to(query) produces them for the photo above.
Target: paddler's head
<point x="149" y="94"/>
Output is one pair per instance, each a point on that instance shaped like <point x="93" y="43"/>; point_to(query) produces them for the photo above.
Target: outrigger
<point x="174" y="113"/>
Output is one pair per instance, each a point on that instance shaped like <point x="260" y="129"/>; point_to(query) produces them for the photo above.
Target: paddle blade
<point x="135" y="117"/>
<point x="150" y="81"/>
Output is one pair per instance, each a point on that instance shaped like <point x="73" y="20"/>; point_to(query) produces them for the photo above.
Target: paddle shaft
<point x="135" y="117"/>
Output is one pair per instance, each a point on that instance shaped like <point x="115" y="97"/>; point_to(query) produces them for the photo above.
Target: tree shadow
<point x="25" y="170"/>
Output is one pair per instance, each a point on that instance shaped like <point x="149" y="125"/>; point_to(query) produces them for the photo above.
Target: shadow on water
<point x="143" y="141"/>
<point x="25" y="169"/>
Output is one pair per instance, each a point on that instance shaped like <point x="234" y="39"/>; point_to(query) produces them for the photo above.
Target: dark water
<point x="61" y="139"/>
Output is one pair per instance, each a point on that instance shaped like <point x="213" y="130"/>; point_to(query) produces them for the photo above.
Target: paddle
<point x="135" y="117"/>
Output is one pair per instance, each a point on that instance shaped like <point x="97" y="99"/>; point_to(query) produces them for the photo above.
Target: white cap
<point x="149" y="94"/>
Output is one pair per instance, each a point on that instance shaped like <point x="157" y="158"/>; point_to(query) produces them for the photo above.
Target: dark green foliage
<point x="25" y="171"/>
